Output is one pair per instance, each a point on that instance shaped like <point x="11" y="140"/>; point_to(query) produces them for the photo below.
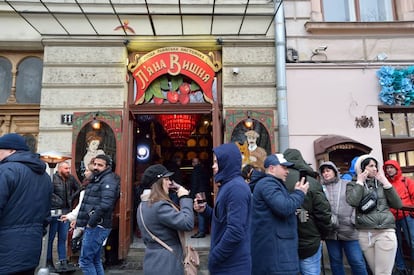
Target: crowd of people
<point x="32" y="205"/>
<point x="274" y="219"/>
<point x="267" y="219"/>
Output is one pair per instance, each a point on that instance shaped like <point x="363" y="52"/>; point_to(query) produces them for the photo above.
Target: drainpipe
<point x="280" y="41"/>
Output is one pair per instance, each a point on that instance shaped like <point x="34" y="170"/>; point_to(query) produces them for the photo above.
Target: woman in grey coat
<point x="158" y="214"/>
<point x="344" y="237"/>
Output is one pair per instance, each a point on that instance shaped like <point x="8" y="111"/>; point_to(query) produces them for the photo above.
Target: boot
<point x="63" y="266"/>
<point x="50" y="266"/>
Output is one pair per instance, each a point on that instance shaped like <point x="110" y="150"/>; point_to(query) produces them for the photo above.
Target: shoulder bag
<point x="369" y="201"/>
<point x="191" y="260"/>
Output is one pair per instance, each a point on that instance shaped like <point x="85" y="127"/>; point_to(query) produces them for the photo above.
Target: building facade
<point x="88" y="62"/>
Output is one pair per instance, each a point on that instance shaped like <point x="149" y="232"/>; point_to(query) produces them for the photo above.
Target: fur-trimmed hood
<point x="358" y="168"/>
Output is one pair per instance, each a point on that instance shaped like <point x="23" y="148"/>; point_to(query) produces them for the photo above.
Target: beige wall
<point x="82" y="76"/>
<point x="326" y="100"/>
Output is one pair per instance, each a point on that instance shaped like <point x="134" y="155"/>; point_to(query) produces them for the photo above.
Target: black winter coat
<point x="64" y="192"/>
<point x="25" y="192"/>
<point x="318" y="226"/>
<point x="99" y="201"/>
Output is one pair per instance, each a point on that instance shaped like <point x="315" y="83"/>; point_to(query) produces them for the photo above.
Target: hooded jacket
<point x="319" y="224"/>
<point x="230" y="218"/>
<point x="350" y="174"/>
<point x="404" y="187"/>
<point x="382" y="217"/>
<point x="335" y="191"/>
<point x="25" y="194"/>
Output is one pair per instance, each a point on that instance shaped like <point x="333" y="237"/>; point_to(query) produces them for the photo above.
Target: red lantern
<point x="179" y="127"/>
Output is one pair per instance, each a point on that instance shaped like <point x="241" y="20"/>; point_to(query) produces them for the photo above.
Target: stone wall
<point x="79" y="76"/>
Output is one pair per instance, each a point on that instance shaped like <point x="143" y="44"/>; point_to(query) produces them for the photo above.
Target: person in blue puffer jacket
<point x="25" y="197"/>
<point x="230" y="218"/>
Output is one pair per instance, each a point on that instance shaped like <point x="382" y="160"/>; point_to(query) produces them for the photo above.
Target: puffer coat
<point x="335" y="191"/>
<point x="99" y="200"/>
<point x="25" y="193"/>
<point x="381" y="217"/>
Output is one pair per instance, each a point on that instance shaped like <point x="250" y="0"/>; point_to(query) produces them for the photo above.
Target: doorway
<point x="174" y="140"/>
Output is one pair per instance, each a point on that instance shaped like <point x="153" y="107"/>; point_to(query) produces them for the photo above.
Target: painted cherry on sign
<point x="158" y="100"/>
<point x="185" y="88"/>
<point x="184" y="98"/>
<point x="172" y="96"/>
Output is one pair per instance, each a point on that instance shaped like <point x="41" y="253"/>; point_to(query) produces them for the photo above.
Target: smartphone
<point x="302" y="174"/>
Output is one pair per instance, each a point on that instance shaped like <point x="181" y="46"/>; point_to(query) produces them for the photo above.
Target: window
<point x="29" y="80"/>
<point x="5" y="79"/>
<point x="398" y="124"/>
<point x="357" y="10"/>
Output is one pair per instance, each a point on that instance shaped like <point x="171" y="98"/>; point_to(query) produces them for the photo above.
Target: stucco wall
<point x="326" y="100"/>
<point x="79" y="77"/>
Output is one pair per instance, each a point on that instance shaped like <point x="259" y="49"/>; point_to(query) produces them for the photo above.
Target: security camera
<point x="320" y="50"/>
<point x="236" y="71"/>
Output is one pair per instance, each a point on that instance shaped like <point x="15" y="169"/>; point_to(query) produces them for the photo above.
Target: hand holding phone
<point x="302" y="174"/>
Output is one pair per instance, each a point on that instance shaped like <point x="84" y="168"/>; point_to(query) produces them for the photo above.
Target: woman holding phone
<point x="372" y="195"/>
<point x="157" y="215"/>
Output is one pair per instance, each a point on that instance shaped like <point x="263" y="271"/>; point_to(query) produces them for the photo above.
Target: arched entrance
<point x="338" y="149"/>
<point x="170" y="89"/>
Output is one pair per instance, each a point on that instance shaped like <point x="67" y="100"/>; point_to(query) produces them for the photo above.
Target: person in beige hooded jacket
<point x="376" y="226"/>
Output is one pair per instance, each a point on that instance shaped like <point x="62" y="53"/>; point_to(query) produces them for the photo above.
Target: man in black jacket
<point x="314" y="221"/>
<point x="65" y="188"/>
<point x="95" y="214"/>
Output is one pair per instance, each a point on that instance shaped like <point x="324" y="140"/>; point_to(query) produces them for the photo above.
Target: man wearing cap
<point x="25" y="194"/>
<point x="317" y="210"/>
<point x="95" y="214"/>
<point x="274" y="234"/>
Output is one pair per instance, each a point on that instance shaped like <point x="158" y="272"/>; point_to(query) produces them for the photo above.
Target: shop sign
<point x="199" y="67"/>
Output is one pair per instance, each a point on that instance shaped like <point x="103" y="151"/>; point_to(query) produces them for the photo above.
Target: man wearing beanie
<point x="25" y="194"/>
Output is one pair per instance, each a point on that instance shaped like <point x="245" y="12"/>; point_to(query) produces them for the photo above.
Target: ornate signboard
<point x="174" y="61"/>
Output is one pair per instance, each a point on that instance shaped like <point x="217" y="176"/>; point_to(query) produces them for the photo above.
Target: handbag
<point x="191" y="260"/>
<point x="368" y="202"/>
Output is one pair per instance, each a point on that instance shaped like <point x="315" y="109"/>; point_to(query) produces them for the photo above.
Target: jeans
<point x="407" y="226"/>
<point x="90" y="259"/>
<point x="312" y="264"/>
<point x="62" y="229"/>
<point x="353" y="253"/>
<point x="201" y="223"/>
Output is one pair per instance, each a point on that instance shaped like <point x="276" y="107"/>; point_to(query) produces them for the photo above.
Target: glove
<point x="182" y="192"/>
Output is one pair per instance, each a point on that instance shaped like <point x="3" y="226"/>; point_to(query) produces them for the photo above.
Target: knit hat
<point x="153" y="173"/>
<point x="13" y="141"/>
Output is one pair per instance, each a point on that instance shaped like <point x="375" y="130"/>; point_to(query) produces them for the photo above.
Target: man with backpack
<point x="403" y="220"/>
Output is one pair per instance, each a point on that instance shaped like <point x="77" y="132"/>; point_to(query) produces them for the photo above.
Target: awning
<point x="136" y="17"/>
<point x="331" y="143"/>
